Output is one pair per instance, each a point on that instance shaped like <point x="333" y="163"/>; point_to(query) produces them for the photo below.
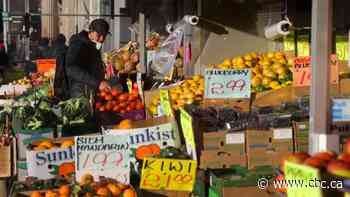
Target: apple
<point x="347" y="146"/>
<point x="298" y="157"/>
<point x="344" y="157"/>
<point x="327" y="155"/>
<point x="339" y="168"/>
<point x="315" y="162"/>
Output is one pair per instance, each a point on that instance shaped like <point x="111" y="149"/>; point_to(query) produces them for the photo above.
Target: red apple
<point x="347" y="146"/>
<point x="344" y="157"/>
<point x="339" y="168"/>
<point x="327" y="155"/>
<point x="316" y="162"/>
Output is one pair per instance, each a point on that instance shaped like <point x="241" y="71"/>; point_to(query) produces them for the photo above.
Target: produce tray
<point x="78" y="129"/>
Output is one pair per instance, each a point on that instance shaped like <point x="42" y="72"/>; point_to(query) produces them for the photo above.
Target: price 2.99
<point x="232" y="85"/>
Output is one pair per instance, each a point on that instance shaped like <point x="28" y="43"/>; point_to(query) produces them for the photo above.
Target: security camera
<point x="170" y="28"/>
<point x="278" y="30"/>
<point x="193" y="20"/>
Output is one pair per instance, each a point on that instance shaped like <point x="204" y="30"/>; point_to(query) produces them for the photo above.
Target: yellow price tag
<point x="187" y="129"/>
<point x="129" y="84"/>
<point x="168" y="174"/>
<point x="302" y="174"/>
<point x="165" y="102"/>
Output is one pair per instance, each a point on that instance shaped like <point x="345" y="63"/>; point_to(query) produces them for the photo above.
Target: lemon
<point x="281" y="71"/>
<point x="274" y="84"/>
<point x="277" y="87"/>
<point x="270" y="55"/>
<point x="153" y="109"/>
<point x="249" y="64"/>
<point x="241" y="66"/>
<point x="256" y="81"/>
<point x="248" y="57"/>
<point x="279" y="55"/>
<point x="282" y="76"/>
<point x="256" y="70"/>
<point x="196" y="78"/>
<point x="266" y="81"/>
<point x="227" y="63"/>
<point x="266" y="63"/>
<point x="282" y="61"/>
<point x="254" y="55"/>
<point x="239" y="61"/>
<point x="289" y="82"/>
<point x="276" y="66"/>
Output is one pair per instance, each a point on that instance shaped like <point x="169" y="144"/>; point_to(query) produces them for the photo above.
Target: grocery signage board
<point x="302" y="71"/>
<point x="187" y="130"/>
<point x="227" y="83"/>
<point x="301" y="173"/>
<point x="340" y="110"/>
<point x="163" y="135"/>
<point x="103" y="155"/>
<point x="165" y="102"/>
<point x="48" y="164"/>
<point x="168" y="174"/>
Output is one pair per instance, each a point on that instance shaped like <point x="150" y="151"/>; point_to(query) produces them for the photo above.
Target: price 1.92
<point x="101" y="159"/>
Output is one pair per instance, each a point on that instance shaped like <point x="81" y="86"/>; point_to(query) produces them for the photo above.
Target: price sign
<point x="340" y="110"/>
<point x="228" y="83"/>
<point x="302" y="173"/>
<point x="302" y="71"/>
<point x="45" y="65"/>
<point x="342" y="48"/>
<point x="168" y="174"/>
<point x="165" y="102"/>
<point x="103" y="155"/>
<point x="187" y="130"/>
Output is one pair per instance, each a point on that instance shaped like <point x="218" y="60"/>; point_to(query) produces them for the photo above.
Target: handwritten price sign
<point x="103" y="155"/>
<point x="165" y="102"/>
<point x="228" y="83"/>
<point x="301" y="172"/>
<point x="168" y="174"/>
<point x="302" y="71"/>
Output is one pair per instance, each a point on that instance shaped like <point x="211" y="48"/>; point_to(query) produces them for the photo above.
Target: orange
<point x="36" y="194"/>
<point x="51" y="194"/>
<point x="129" y="193"/>
<point x="114" y="189"/>
<point x="125" y="124"/>
<point x="102" y="191"/>
<point x="64" y="190"/>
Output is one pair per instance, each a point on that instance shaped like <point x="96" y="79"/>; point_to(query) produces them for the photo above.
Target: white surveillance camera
<point x="278" y="30"/>
<point x="170" y="28"/>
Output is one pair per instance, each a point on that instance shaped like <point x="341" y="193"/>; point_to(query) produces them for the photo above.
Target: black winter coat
<point x="84" y="65"/>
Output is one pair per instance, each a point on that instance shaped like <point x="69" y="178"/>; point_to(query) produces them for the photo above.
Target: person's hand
<point x="104" y="85"/>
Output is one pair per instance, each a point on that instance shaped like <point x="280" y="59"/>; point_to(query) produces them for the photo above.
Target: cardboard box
<point x="258" y="140"/>
<point x="45" y="164"/>
<point x="228" y="182"/>
<point x="239" y="191"/>
<point x="282" y="140"/>
<point x="222" y="140"/>
<point x="267" y="158"/>
<point x="25" y="137"/>
<point x="215" y="159"/>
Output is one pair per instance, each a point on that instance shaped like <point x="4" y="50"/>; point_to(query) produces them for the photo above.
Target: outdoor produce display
<point x="215" y="132"/>
<point x="270" y="70"/>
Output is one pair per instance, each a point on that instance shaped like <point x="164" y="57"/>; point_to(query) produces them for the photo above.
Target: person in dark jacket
<point x="4" y="60"/>
<point x="84" y="65"/>
<point x="59" y="51"/>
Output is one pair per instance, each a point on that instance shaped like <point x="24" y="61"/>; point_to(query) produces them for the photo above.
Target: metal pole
<point x="27" y="39"/>
<point x="321" y="45"/>
<point x="5" y="23"/>
<point x="142" y="43"/>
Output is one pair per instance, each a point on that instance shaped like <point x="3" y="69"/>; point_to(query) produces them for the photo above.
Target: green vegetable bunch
<point x="75" y="110"/>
